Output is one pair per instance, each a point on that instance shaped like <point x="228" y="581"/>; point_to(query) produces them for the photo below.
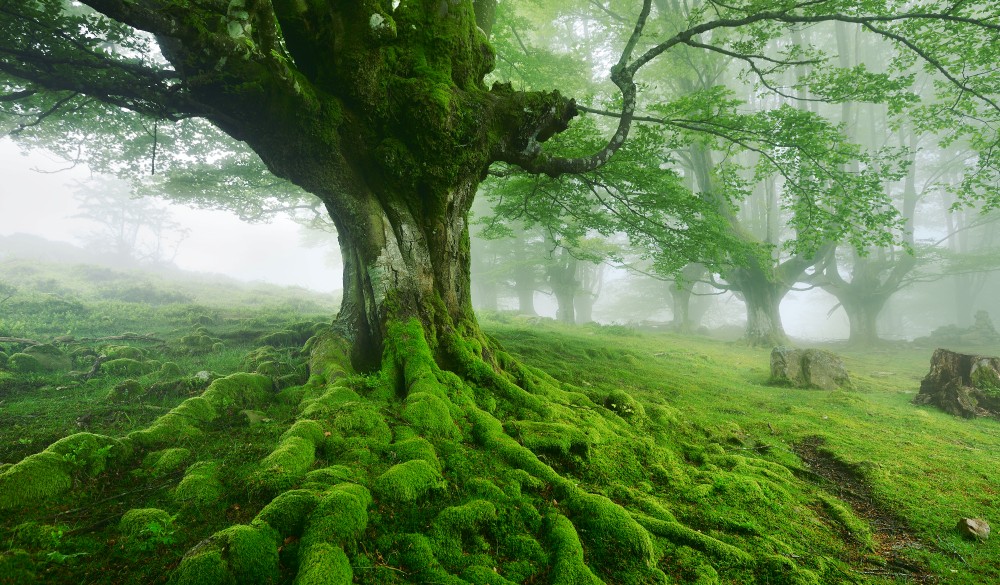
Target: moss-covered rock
<point x="114" y="352"/>
<point x="201" y="486"/>
<point x="286" y="465"/>
<point x="324" y="564"/>
<point x="170" y="371"/>
<point x="407" y="482"/>
<point x="166" y="461"/>
<point x="144" y="528"/>
<point x="287" y="513"/>
<point x="124" y="367"/>
<point x="128" y="390"/>
<point x="49" y="473"/>
<point x="23" y="363"/>
<point x="50" y="358"/>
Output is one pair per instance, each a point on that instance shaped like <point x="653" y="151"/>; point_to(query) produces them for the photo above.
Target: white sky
<point x="42" y="203"/>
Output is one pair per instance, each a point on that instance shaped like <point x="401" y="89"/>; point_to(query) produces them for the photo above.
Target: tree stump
<point x="962" y="384"/>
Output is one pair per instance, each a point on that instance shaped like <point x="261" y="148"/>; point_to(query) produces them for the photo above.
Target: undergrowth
<point x="644" y="459"/>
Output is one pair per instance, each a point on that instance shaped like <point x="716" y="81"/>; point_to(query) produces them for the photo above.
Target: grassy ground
<point x="749" y="482"/>
<point x="923" y="468"/>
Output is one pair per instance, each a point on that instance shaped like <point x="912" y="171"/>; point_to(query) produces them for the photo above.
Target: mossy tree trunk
<point x="386" y="118"/>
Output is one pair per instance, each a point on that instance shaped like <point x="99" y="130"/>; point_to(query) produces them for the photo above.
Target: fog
<point x="37" y="197"/>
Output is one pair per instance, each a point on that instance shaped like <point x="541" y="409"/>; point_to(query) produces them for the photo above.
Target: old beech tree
<point x="379" y="108"/>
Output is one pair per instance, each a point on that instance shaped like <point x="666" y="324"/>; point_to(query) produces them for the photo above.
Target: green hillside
<point x="221" y="437"/>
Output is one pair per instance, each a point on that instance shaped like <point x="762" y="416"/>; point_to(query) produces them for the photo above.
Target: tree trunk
<point x="862" y="314"/>
<point x="762" y="295"/>
<point x="680" y="298"/>
<point x="584" y="305"/>
<point x="524" y="286"/>
<point x="562" y="274"/>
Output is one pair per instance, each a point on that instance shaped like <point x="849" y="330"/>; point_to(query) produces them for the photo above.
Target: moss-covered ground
<point x="591" y="455"/>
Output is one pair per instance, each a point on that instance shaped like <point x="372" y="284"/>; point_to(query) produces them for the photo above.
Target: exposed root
<point x="458" y="465"/>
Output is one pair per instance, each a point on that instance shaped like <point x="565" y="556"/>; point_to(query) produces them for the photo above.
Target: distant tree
<point x="130" y="229"/>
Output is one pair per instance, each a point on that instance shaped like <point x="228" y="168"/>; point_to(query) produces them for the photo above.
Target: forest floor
<point x="855" y="486"/>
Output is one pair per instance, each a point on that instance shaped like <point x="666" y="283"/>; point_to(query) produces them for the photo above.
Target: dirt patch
<point x="891" y="535"/>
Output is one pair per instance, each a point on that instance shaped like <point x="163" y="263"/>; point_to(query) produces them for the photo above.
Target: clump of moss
<point x="324" y="564"/>
<point x="458" y="525"/>
<point x="51" y="472"/>
<point x="49" y="357"/>
<point x="340" y="516"/>
<point x="114" y="352"/>
<point x="236" y="555"/>
<point x="414" y="448"/>
<point x="287" y="513"/>
<point x="3" y="359"/>
<point x="146" y="528"/>
<point x="180" y="424"/>
<point x="166" y="461"/>
<point x="170" y="371"/>
<point x="240" y="391"/>
<point x="552" y="438"/>
<point x="17" y="567"/>
<point x="330" y="476"/>
<point x="201" y="486"/>
<point x="407" y="482"/>
<point x="124" y="367"/>
<point x="126" y="391"/>
<point x="286" y="465"/>
<point x="23" y="363"/>
<point x="614" y="538"/>
<point x="568" y="566"/>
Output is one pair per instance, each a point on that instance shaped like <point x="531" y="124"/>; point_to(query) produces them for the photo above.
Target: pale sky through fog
<point x="43" y="204"/>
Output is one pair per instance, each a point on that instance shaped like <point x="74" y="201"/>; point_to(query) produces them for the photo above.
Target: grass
<point x="675" y="461"/>
<point x="926" y="467"/>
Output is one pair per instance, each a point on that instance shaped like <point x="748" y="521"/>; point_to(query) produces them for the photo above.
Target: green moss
<point x="429" y="414"/>
<point x="341" y="515"/>
<point x="329" y="357"/>
<point x="240" y="391"/>
<point x="324" y="564"/>
<point x="453" y="527"/>
<point x="200" y="487"/>
<point x="568" y="567"/>
<point x="252" y="552"/>
<point x="36" y="478"/>
<point x="414" y="448"/>
<point x="286" y="465"/>
<point x="780" y="570"/>
<point x="124" y="367"/>
<point x="485" y="576"/>
<point x="310" y="430"/>
<point x="856" y="528"/>
<point x="331" y="476"/>
<point x="363" y="422"/>
<point x="17" y="567"/>
<point x="614" y="538"/>
<point x="140" y="524"/>
<point x="49" y="357"/>
<point x="170" y="371"/>
<point x="407" y="482"/>
<point x="204" y="567"/>
<point x="677" y="533"/>
<point x="127" y="391"/>
<point x="115" y="352"/>
<point x="23" y="363"/>
<point x="288" y="511"/>
<point x="552" y="438"/>
<point x="180" y="424"/>
<point x="166" y="461"/>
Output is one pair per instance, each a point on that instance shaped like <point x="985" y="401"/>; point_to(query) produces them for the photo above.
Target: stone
<point x="809" y="368"/>
<point x="975" y="528"/>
